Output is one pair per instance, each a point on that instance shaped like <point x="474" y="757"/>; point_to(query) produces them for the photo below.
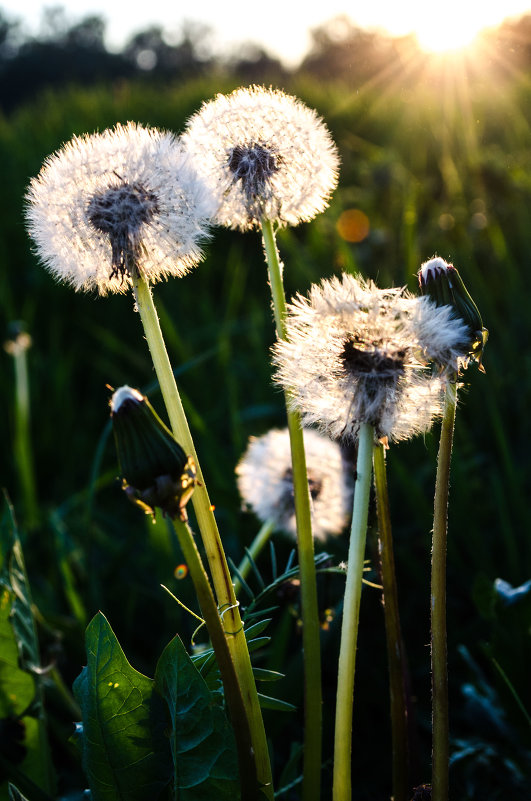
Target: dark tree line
<point x="64" y="53"/>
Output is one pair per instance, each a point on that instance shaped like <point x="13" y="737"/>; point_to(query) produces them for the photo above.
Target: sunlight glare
<point x="445" y="32"/>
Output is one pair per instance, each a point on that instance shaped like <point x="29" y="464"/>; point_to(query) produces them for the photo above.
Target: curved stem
<point x="439" y="648"/>
<point x="233" y="695"/>
<point x="256" y="548"/>
<point x="342" y="789"/>
<point x="203" y="509"/>
<point x="311" y="785"/>
<point x="395" y="647"/>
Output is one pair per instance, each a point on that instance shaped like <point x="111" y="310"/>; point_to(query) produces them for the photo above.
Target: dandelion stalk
<point x="395" y="650"/>
<point x="18" y="347"/>
<point x="209" y="532"/>
<point x="310" y="614"/>
<point x="342" y="790"/>
<point x="256" y="548"/>
<point x="439" y="648"/>
<point x="233" y="694"/>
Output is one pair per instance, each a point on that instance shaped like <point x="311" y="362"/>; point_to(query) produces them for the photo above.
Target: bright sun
<point x="443" y="35"/>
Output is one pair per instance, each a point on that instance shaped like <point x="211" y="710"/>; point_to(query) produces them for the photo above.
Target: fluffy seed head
<point x="107" y="203"/>
<point x="352" y="355"/>
<point x="264" y="154"/>
<point x="265" y="482"/>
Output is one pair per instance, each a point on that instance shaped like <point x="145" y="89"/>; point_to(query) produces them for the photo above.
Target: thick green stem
<point x="246" y="759"/>
<point x="395" y="648"/>
<point x="311" y="785"/>
<point x="342" y="789"/>
<point x="257" y="546"/>
<point x="206" y="521"/>
<point x="439" y="648"/>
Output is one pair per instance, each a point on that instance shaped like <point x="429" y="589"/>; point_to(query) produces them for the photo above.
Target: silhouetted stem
<point x="342" y="789"/>
<point x="439" y="655"/>
<point x="395" y="650"/>
<point x="206" y="521"/>
<point x="311" y="785"/>
<point x="254" y="550"/>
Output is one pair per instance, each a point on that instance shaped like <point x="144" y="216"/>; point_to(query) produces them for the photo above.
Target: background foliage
<point x="439" y="164"/>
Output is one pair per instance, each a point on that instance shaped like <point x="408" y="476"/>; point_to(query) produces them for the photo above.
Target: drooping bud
<point x="442" y="283"/>
<point x="155" y="469"/>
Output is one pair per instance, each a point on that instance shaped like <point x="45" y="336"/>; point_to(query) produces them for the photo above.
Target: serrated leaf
<point x="17" y="688"/>
<point x="125" y="753"/>
<point x="202" y="741"/>
<point x="266" y="702"/>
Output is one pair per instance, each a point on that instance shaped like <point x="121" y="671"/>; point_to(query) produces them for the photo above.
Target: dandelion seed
<point x="265" y="155"/>
<point x="265" y="482"/>
<point x="352" y="355"/>
<point x="107" y="203"/>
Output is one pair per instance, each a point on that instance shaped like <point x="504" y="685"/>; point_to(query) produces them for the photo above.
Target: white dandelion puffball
<point x="265" y="482"/>
<point x="265" y="155"/>
<point x="105" y="204"/>
<point x="352" y="356"/>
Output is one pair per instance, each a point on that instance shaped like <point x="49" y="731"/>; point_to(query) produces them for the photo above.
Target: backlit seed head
<point x="352" y="355"/>
<point x="265" y="482"/>
<point x="265" y="155"/>
<point x="106" y="204"/>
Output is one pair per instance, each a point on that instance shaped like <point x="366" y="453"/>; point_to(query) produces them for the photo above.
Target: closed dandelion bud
<point x="442" y="283"/>
<point x="155" y="469"/>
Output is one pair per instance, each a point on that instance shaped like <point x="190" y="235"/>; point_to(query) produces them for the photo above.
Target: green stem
<point x="395" y="648"/>
<point x="439" y="648"/>
<point x="311" y="785"/>
<point x="206" y="521"/>
<point x="257" y="546"/>
<point x="22" y="445"/>
<point x="342" y="790"/>
<point x="233" y="695"/>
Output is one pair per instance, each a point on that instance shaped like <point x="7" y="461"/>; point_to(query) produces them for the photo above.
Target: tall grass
<point x="435" y="170"/>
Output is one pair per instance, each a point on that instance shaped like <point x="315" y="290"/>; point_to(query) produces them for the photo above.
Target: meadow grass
<point x="445" y="172"/>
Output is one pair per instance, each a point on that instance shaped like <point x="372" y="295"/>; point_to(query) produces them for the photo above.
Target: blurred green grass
<point x="436" y="170"/>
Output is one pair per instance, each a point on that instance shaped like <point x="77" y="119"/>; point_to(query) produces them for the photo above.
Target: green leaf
<point x="202" y="741"/>
<point x="125" y="753"/>
<point x="17" y="688"/>
<point x="263" y="674"/>
<point x="266" y="702"/>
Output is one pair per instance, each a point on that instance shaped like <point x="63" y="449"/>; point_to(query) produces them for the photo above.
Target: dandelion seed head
<point x="265" y="482"/>
<point x="106" y="203"/>
<point x="265" y="155"/>
<point x="352" y="356"/>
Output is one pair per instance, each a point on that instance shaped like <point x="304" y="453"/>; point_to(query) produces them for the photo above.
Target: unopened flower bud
<point x="442" y="283"/>
<point x="154" y="468"/>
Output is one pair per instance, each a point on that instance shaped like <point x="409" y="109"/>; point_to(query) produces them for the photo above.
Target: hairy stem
<point x="439" y="648"/>
<point x="342" y="788"/>
<point x="206" y="521"/>
<point x="246" y="760"/>
<point x="311" y="785"/>
<point x="395" y="648"/>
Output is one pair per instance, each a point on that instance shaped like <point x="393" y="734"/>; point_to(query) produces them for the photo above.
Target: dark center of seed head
<point x="253" y="165"/>
<point x="120" y="211"/>
<point x="363" y="358"/>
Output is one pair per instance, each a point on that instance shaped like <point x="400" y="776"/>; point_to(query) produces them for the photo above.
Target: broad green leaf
<point x="17" y="688"/>
<point x="125" y="753"/>
<point x="202" y="741"/>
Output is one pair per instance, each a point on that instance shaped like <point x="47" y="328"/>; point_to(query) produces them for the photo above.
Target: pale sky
<point x="282" y="26"/>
